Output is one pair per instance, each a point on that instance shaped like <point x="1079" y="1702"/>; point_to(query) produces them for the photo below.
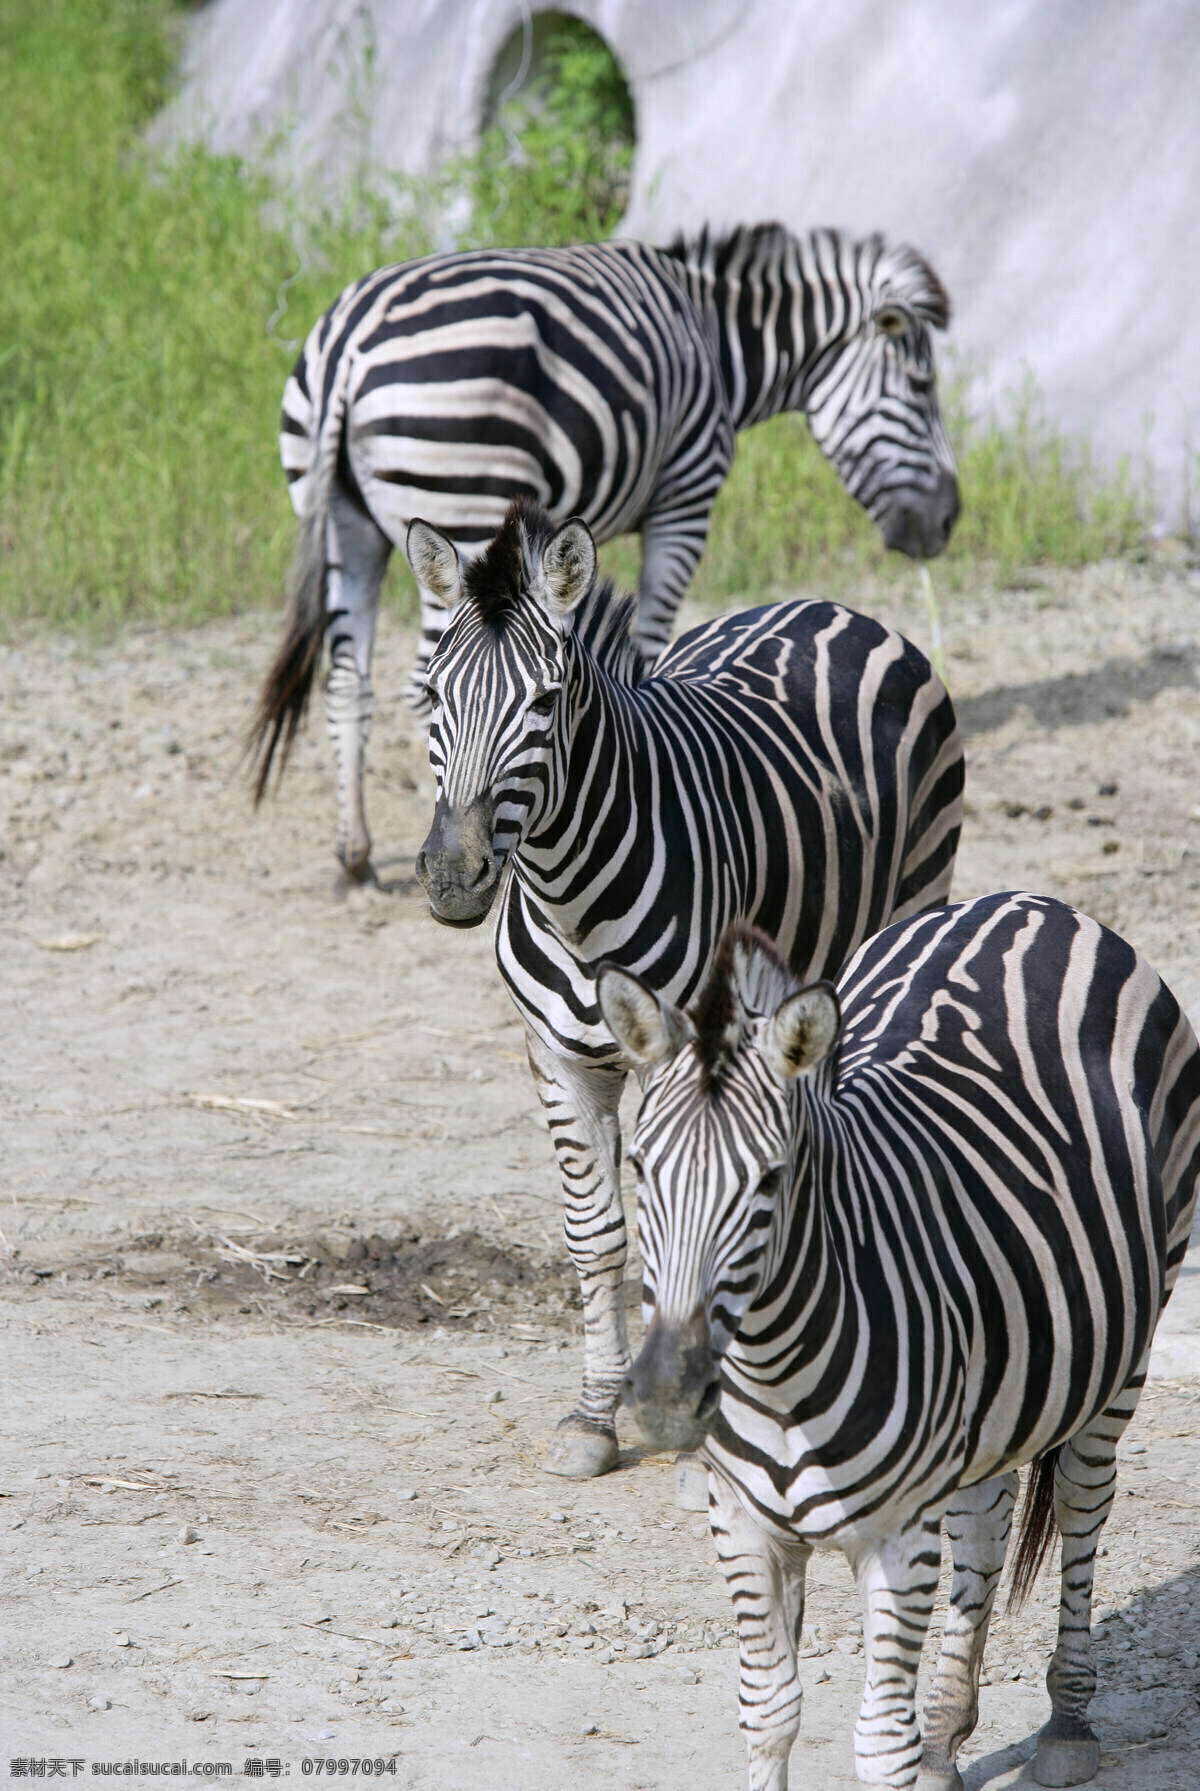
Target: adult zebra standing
<point x="797" y="765"/>
<point x="605" y="381"/>
<point x="900" y="1238"/>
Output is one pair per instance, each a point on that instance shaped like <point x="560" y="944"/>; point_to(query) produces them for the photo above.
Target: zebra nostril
<point x="709" y="1401"/>
<point x="486" y="866"/>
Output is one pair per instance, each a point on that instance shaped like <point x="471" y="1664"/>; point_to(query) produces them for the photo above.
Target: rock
<point x="187" y="1534"/>
<point x="606" y="1657"/>
<point x="823" y="1677"/>
<point x="848" y="1645"/>
<point x="33" y="1572"/>
<point x="121" y="1639"/>
<point x="405" y="1495"/>
<point x="61" y="1660"/>
<point x="41" y="1474"/>
<point x="642" y="1651"/>
<point x="691" y="1483"/>
<point x="557" y="1517"/>
<point x="106" y="1704"/>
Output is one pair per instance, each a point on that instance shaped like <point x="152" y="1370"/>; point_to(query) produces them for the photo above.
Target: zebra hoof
<point x="354" y="876"/>
<point x="579" y="1454"/>
<point x="1067" y="1754"/>
<point x="939" y="1778"/>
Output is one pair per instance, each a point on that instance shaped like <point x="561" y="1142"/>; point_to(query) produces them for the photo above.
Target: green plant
<point x="553" y="167"/>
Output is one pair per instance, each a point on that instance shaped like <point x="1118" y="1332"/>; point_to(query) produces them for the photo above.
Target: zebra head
<point x="718" y="1142"/>
<point x="495" y="682"/>
<point x="870" y="393"/>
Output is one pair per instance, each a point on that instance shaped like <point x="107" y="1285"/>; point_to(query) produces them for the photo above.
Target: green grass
<point x="142" y="351"/>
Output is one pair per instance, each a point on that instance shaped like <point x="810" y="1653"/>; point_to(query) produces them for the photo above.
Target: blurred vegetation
<point x="152" y="305"/>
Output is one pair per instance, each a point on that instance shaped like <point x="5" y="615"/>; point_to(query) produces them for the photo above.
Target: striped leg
<point x="977" y="1525"/>
<point x="581" y="1111"/>
<point x="766" y="1582"/>
<point x="435" y="618"/>
<point x="1085" y="1478"/>
<point x="356" y="557"/>
<point x="671" y="548"/>
<point x="898" y="1582"/>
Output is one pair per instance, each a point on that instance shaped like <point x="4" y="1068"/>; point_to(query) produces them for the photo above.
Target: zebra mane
<point x="502" y="575"/>
<point x="898" y="271"/>
<point x="715" y="249"/>
<point x="748" y="979"/>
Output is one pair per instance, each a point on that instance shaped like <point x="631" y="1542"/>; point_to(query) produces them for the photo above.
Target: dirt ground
<point x="286" y="1317"/>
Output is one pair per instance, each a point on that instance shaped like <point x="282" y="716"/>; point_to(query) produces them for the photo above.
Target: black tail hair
<point x="288" y="685"/>
<point x="1037" y="1528"/>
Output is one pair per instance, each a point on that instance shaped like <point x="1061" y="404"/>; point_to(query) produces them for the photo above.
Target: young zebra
<point x="900" y="1238"/>
<point x="797" y="766"/>
<point x="605" y="381"/>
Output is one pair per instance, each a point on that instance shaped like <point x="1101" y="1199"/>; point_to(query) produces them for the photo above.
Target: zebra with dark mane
<point x="797" y="766"/>
<point x="605" y="381"/>
<point x="901" y="1237"/>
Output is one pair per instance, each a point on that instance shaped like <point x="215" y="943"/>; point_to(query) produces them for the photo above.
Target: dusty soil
<point x="282" y="1267"/>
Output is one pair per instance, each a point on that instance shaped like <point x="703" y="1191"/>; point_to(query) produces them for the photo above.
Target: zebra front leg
<point x="977" y="1524"/>
<point x="766" y="1582"/>
<point x="356" y="557"/>
<point x="581" y="1110"/>
<point x="1085" y="1478"/>
<point x="897" y="1580"/>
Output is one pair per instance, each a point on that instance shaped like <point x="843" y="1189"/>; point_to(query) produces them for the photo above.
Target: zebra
<point x="902" y="1236"/>
<point x="605" y="381"/>
<point x="796" y="765"/>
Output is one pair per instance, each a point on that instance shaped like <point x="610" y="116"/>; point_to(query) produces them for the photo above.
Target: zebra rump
<point x="901" y="1236"/>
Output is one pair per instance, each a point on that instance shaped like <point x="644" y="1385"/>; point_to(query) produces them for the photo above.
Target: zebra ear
<point x="803" y="1031"/>
<point x="647" y="1028"/>
<point x="434" y="559"/>
<point x="568" y="568"/>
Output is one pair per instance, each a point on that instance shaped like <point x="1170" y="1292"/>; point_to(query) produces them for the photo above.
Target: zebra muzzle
<point x="674" y="1388"/>
<point x="457" y="865"/>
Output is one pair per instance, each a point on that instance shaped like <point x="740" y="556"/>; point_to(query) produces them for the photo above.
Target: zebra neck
<point x="770" y="318"/>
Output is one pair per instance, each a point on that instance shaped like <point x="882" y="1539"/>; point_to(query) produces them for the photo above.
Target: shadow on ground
<point x="1082" y="697"/>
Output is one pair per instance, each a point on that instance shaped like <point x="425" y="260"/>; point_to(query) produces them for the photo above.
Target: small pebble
<point x="103" y="1704"/>
<point x="406" y="1494"/>
<point x="61" y="1660"/>
<point x="187" y="1534"/>
<point x="590" y="1729"/>
<point x="121" y="1639"/>
<point x="62" y="1483"/>
<point x="33" y="1571"/>
<point x="823" y="1677"/>
<point x="557" y="1517"/>
<point x="42" y="1474"/>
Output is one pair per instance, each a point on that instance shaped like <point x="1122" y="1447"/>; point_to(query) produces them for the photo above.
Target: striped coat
<point x="901" y="1238"/>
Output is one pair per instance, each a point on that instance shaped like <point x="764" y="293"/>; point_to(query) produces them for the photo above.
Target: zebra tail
<point x="1037" y="1529"/>
<point x="283" y="699"/>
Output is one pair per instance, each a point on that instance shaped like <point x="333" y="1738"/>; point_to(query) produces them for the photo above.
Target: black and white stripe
<point x="797" y="766"/>
<point x="605" y="381"/>
<point x="894" y="1252"/>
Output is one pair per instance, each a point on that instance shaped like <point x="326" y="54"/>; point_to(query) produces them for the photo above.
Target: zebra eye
<point x="891" y="321"/>
<point x="543" y="703"/>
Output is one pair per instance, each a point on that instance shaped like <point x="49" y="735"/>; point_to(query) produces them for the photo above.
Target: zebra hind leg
<point x="897" y="1580"/>
<point x="1085" y="1477"/>
<point x="977" y="1525"/>
<point x="356" y="556"/>
<point x="766" y="1583"/>
<point x="434" y="619"/>
<point x="581" y="1111"/>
